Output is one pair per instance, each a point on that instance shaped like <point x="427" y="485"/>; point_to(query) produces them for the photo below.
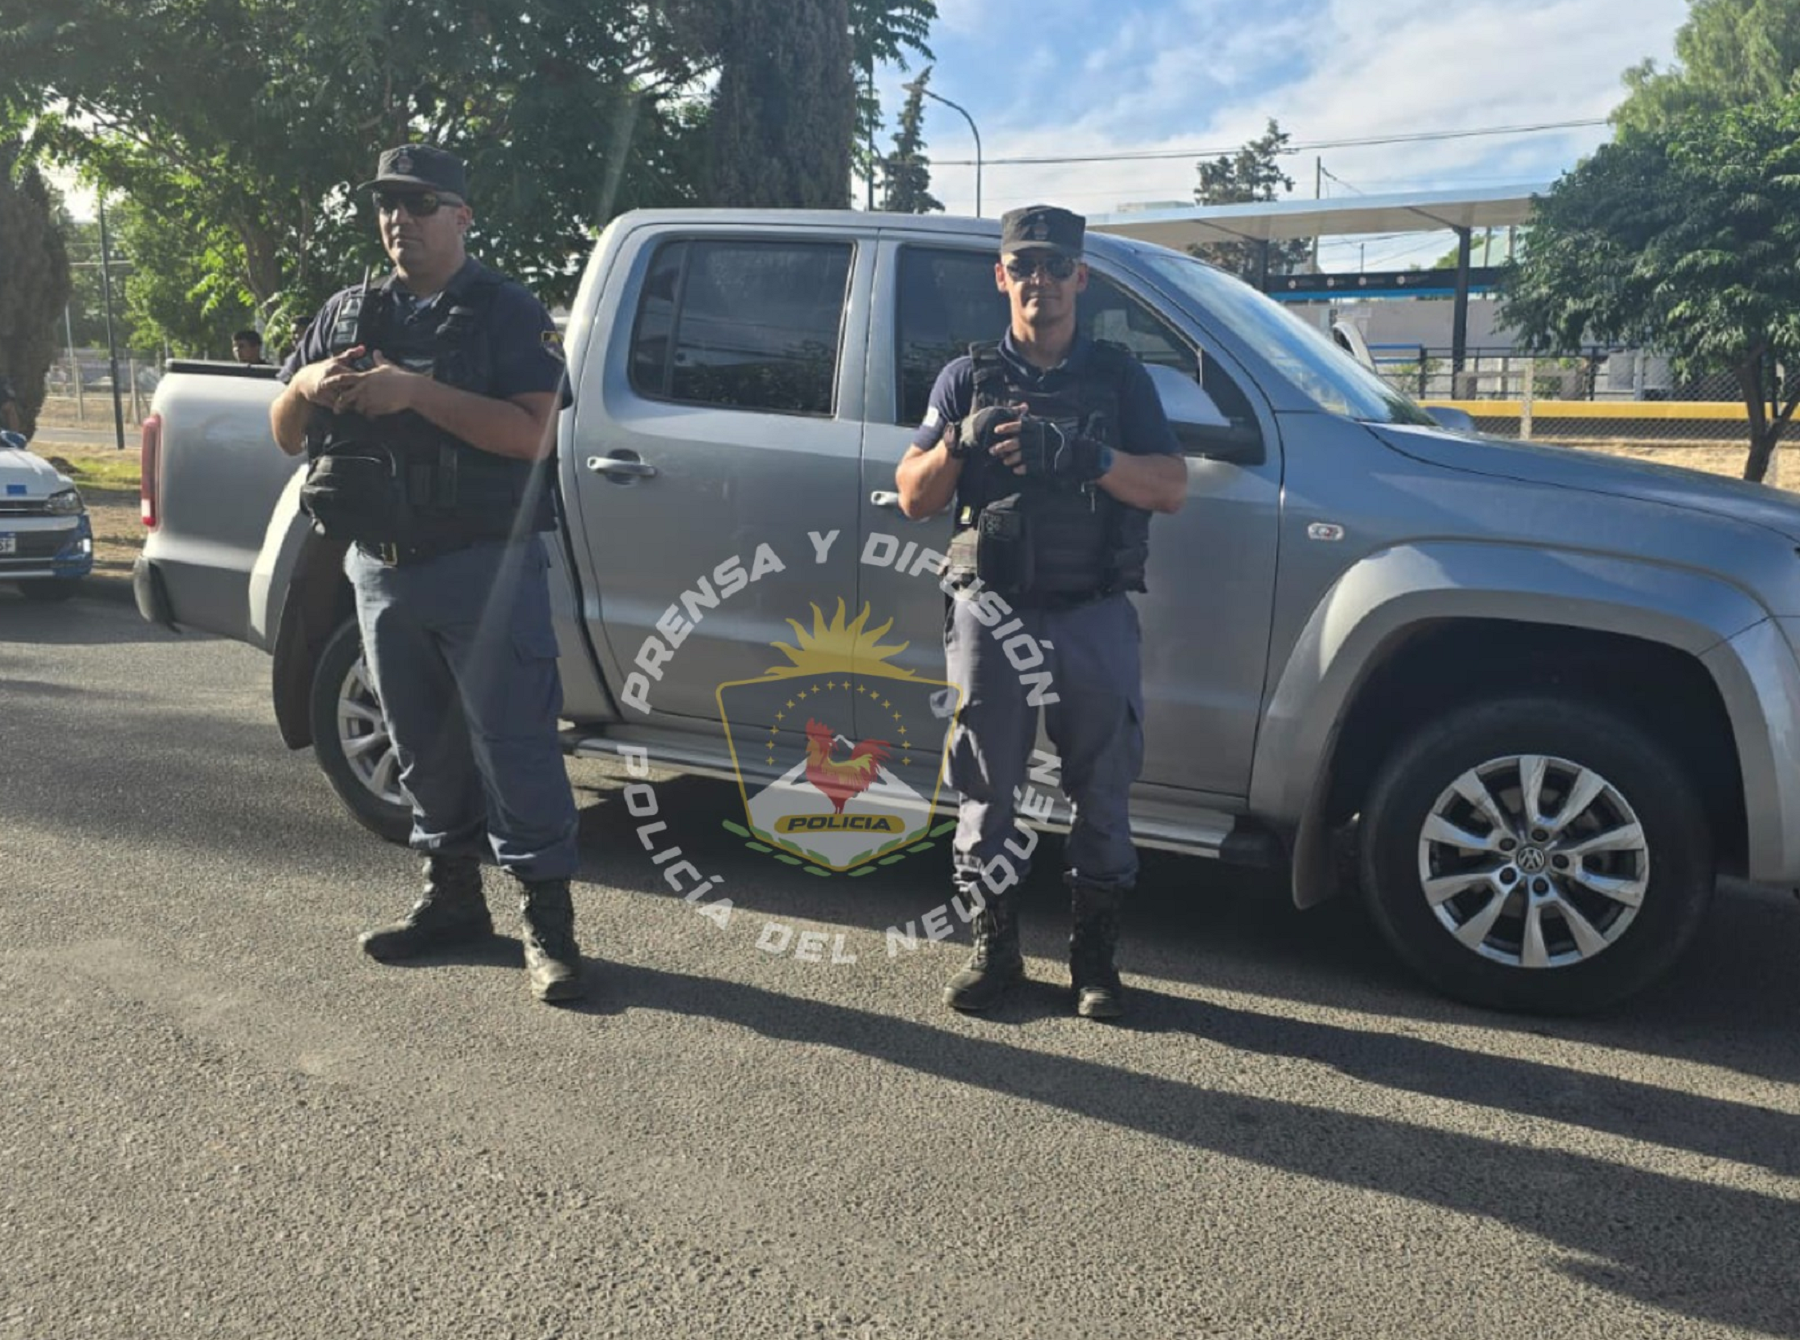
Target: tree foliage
<point x="1730" y="53"/>
<point x="1250" y="176"/>
<point x="784" y="114"/>
<point x="246" y="122"/>
<point x="177" y="291"/>
<point x="882" y="32"/>
<point x="1684" y="239"/>
<point x="907" y="186"/>
<point x="34" y="281"/>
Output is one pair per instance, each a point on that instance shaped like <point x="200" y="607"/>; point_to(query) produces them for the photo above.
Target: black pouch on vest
<point x="1003" y="546"/>
<point x="356" y="494"/>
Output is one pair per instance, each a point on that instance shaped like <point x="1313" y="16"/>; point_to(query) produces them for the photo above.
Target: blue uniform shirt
<point x="523" y="350"/>
<point x="1143" y="426"/>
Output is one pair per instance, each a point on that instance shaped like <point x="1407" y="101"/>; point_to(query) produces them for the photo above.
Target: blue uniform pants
<point x="1094" y="723"/>
<point x="463" y="658"/>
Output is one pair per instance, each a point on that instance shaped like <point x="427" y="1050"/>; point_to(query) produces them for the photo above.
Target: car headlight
<point x="65" y="503"/>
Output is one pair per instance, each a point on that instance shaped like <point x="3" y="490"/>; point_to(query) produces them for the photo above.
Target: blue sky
<point x="1054" y="77"/>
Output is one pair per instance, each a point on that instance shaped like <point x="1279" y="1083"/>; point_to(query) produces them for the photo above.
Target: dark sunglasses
<point x="419" y="204"/>
<point x="1057" y="267"/>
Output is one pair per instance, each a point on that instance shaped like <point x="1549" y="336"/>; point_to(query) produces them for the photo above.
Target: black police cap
<point x="423" y="167"/>
<point x="1041" y="228"/>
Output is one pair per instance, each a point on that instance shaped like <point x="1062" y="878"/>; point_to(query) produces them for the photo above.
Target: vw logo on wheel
<point x="1532" y="860"/>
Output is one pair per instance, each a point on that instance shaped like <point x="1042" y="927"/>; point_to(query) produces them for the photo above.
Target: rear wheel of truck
<point x="350" y="738"/>
<point x="1536" y="854"/>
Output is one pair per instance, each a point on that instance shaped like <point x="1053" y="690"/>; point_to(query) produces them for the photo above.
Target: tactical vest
<point x="1081" y="541"/>
<point x="400" y="479"/>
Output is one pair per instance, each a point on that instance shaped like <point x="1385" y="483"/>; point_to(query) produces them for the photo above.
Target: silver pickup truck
<point x="1530" y="701"/>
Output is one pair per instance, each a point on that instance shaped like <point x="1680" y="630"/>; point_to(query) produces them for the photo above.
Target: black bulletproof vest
<point x="453" y="492"/>
<point x="1083" y="540"/>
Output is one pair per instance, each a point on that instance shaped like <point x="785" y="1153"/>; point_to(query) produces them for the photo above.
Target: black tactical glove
<point x="977" y="431"/>
<point x="1051" y="448"/>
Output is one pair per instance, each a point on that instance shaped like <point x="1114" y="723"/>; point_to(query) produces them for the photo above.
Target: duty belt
<point x="400" y="555"/>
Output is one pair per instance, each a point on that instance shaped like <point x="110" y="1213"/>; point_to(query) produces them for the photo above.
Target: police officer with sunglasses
<point x="426" y="406"/>
<point x="1054" y="450"/>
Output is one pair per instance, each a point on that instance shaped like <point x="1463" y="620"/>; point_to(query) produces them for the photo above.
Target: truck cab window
<point x="947" y="301"/>
<point x="742" y="324"/>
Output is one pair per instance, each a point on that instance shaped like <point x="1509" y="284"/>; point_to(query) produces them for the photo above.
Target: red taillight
<point x="149" y="458"/>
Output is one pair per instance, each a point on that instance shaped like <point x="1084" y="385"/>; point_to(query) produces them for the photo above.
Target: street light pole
<point x="918" y="86"/>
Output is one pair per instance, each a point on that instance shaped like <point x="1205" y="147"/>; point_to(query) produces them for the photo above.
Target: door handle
<point x="883" y="498"/>
<point x="621" y="467"/>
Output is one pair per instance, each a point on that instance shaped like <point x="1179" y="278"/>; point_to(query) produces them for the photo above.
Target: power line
<point x="1306" y="146"/>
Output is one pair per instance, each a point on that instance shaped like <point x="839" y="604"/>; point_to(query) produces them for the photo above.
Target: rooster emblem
<point x="845" y="778"/>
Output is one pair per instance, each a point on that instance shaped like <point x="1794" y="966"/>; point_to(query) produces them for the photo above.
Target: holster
<point x="996" y="548"/>
<point x="357" y="492"/>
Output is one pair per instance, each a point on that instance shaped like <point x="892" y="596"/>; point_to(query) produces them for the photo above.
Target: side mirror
<point x="1348" y="338"/>
<point x="1456" y="420"/>
<point x="1199" y="425"/>
<point x="13" y="441"/>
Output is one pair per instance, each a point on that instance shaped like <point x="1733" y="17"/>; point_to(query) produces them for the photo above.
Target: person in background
<point x="247" y="347"/>
<point x="10" y="417"/>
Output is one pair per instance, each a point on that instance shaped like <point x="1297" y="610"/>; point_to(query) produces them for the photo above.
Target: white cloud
<point x="1136" y="76"/>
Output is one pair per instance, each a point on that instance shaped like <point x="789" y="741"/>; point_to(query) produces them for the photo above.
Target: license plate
<point x="9" y="544"/>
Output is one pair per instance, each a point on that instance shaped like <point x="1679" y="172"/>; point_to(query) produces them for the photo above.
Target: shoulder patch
<point x="553" y="344"/>
<point x="933" y="419"/>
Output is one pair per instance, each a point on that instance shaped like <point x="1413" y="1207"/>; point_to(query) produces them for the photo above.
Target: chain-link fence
<point x="1600" y="396"/>
<point x="78" y="388"/>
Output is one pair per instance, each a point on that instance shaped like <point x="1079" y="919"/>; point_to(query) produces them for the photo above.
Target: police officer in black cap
<point x="1055" y="451"/>
<point x="426" y="405"/>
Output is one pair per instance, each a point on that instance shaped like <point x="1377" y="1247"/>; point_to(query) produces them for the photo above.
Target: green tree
<point x="243" y="121"/>
<point x="882" y="32"/>
<point x="580" y="110"/>
<point x="1684" y="239"/>
<point x="907" y="187"/>
<point x="178" y="287"/>
<point x="1250" y="176"/>
<point x="34" y="281"/>
<point x="1730" y="53"/>
<point x="784" y="113"/>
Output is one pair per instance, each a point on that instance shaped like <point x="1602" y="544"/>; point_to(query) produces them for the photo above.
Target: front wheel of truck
<point x="1536" y="854"/>
<point x="350" y="738"/>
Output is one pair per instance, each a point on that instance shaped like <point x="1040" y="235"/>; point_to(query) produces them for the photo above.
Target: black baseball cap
<point x="421" y="166"/>
<point x="1041" y="228"/>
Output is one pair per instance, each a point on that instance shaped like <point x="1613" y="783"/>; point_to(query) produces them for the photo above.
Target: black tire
<point x="49" y="591"/>
<point x="340" y="679"/>
<point x="1673" y="862"/>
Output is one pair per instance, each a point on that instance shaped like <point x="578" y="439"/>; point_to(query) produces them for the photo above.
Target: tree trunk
<point x="1762" y="438"/>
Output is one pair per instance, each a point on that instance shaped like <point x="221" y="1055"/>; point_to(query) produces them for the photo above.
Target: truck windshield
<point x="1307" y="357"/>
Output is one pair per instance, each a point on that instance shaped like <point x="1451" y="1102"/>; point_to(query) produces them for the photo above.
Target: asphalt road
<point x="218" y="1120"/>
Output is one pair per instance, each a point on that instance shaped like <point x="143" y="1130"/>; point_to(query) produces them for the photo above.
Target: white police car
<point x="46" y="543"/>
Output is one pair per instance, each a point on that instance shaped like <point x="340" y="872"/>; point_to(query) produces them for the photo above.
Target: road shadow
<point x="1713" y="1253"/>
<point x="89" y="619"/>
<point x="1731" y="1002"/>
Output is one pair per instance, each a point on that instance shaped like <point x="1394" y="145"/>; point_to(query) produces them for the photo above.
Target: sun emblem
<point x="839" y="646"/>
<point x="839" y="752"/>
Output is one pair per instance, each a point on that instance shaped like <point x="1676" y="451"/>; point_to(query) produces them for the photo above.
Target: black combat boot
<point x="1095" y="938"/>
<point x="452" y="912"/>
<point x="996" y="963"/>
<point x="552" y="958"/>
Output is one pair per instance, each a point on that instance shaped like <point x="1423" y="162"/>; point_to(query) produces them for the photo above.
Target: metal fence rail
<point x="1599" y="396"/>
